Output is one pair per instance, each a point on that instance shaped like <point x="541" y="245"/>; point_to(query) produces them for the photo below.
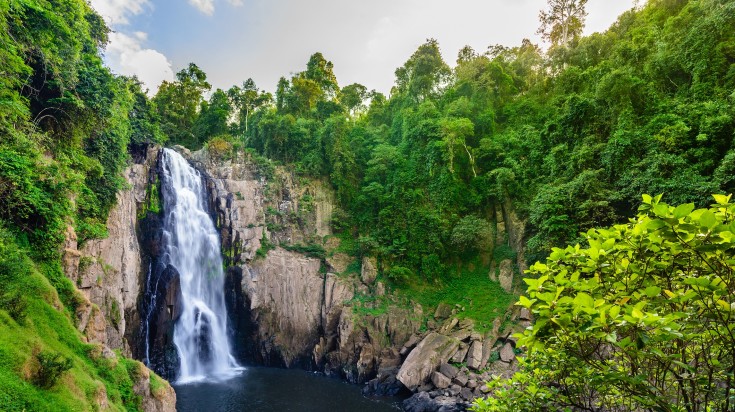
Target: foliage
<point x="50" y="368"/>
<point x="642" y="318"/>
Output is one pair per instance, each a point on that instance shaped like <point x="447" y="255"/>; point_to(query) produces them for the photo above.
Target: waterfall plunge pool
<point x="261" y="389"/>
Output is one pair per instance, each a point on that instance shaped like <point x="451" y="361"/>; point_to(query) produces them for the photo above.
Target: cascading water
<point x="193" y="249"/>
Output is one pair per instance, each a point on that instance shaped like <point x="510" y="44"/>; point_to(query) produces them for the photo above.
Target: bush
<point x="220" y="147"/>
<point x="51" y="366"/>
<point x="471" y="234"/>
<point x="641" y="319"/>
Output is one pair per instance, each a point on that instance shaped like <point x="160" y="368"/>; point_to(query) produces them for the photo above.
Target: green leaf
<point x="722" y="199"/>
<point x="708" y="219"/>
<point x="683" y="210"/>
<point x="652" y="291"/>
<point x="584" y="300"/>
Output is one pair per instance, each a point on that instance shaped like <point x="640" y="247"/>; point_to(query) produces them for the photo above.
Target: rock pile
<point x="448" y="368"/>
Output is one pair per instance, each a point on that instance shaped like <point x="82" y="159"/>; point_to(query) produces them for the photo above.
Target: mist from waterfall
<point x="193" y="248"/>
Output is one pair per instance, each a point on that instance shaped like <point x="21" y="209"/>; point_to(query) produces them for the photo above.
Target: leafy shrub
<point x="471" y="233"/>
<point x="220" y="147"/>
<point x="641" y="319"/>
<point x="51" y="366"/>
<point x="16" y="306"/>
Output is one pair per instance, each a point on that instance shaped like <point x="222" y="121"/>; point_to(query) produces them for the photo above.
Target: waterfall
<point x="193" y="249"/>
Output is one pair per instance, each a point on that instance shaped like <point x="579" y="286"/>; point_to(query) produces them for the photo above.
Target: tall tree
<point x="246" y="100"/>
<point x="562" y="21"/>
<point x="178" y="103"/>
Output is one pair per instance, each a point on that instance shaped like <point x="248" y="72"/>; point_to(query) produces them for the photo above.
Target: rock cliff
<point x="303" y="303"/>
<point x="108" y="274"/>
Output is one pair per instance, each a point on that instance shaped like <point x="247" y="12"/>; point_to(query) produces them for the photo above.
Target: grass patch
<point x="482" y="299"/>
<point x="34" y="353"/>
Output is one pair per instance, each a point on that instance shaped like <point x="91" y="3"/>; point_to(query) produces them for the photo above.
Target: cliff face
<point x="293" y="304"/>
<point x="296" y="300"/>
<point x="108" y="271"/>
<point x="108" y="274"/>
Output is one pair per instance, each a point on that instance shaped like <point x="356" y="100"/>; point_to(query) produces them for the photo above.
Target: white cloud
<point x="236" y="3"/>
<point x="117" y="11"/>
<point x="205" y="6"/>
<point x="126" y="55"/>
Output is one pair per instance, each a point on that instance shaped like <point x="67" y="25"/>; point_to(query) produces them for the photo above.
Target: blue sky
<point x="232" y="40"/>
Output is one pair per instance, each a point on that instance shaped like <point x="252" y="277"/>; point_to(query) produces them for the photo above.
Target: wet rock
<point x="423" y="402"/>
<point x="454" y="390"/>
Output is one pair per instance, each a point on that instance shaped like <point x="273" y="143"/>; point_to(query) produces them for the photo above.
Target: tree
<point x="562" y="21"/>
<point x="178" y="103"/>
<point x="213" y="117"/>
<point x="641" y="319"/>
<point x="424" y="73"/>
<point x="353" y="96"/>
<point x="247" y="99"/>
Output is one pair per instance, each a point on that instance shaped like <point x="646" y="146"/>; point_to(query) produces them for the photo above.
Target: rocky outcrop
<point x="298" y="308"/>
<point x="155" y="393"/>
<point x="293" y="305"/>
<point x="108" y="271"/>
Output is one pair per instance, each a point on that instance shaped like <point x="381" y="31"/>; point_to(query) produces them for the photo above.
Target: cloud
<point x="126" y="55"/>
<point x="205" y="6"/>
<point x="116" y="12"/>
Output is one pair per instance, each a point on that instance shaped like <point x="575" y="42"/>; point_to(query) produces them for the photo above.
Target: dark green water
<point x="278" y="390"/>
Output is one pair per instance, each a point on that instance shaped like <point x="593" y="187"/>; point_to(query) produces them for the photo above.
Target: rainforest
<point x="535" y="227"/>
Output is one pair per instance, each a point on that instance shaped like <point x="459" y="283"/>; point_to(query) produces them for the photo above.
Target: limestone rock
<point x="474" y="356"/>
<point x="369" y="271"/>
<point x="425" y="358"/>
<point x="506" y="275"/>
<point x="440" y="381"/>
<point x="448" y="370"/>
<point x="507" y="354"/>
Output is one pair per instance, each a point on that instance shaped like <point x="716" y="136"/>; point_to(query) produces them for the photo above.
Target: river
<point x="260" y="389"/>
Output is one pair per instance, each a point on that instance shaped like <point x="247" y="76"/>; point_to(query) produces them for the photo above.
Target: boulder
<point x="474" y="356"/>
<point x="460" y="379"/>
<point x="461" y="353"/>
<point x="425" y="358"/>
<point x="448" y="370"/>
<point x="443" y="311"/>
<point x="507" y="354"/>
<point x="506" y="275"/>
<point x="440" y="381"/>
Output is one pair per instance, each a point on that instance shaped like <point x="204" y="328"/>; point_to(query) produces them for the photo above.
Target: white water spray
<point x="193" y="248"/>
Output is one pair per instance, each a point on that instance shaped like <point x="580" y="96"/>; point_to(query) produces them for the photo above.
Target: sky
<point x="233" y="40"/>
